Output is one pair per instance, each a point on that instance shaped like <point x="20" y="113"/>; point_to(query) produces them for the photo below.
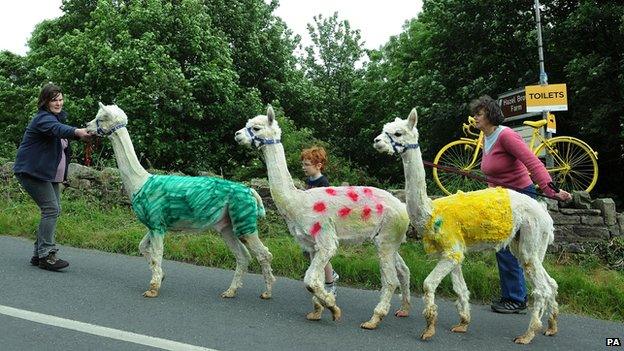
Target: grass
<point x="585" y="286"/>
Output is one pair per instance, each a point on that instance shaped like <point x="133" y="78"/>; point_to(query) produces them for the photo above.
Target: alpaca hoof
<point x="427" y="335"/>
<point x="265" y="295"/>
<point x="336" y="313"/>
<point x="228" y="294"/>
<point x="150" y="293"/>
<point x="401" y="313"/>
<point x="550" y="332"/>
<point x="314" y="315"/>
<point x="460" y="328"/>
<point x="523" y="340"/>
<point x="368" y="325"/>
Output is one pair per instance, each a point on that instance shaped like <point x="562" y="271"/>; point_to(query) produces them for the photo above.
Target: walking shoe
<point x="508" y="306"/>
<point x="34" y="260"/>
<point x="52" y="263"/>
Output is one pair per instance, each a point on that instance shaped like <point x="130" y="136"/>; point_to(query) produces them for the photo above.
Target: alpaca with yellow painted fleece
<point x="490" y="218"/>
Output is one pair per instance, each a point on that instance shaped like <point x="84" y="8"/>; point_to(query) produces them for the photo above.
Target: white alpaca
<point x="189" y="203"/>
<point x="320" y="218"/>
<point x="481" y="219"/>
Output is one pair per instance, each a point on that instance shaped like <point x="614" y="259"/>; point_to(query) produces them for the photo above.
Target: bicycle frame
<point x="533" y="146"/>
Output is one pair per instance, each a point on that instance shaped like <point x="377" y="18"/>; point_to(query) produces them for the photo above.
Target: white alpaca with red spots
<point x="321" y="218"/>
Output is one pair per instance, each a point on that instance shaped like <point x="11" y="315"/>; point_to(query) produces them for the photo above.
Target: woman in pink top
<point x="508" y="160"/>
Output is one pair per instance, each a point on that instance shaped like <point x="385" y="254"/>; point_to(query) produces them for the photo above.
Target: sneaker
<point x="508" y="306"/>
<point x="34" y="260"/>
<point x="52" y="263"/>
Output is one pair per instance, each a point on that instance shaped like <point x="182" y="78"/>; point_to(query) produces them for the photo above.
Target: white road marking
<point x="100" y="331"/>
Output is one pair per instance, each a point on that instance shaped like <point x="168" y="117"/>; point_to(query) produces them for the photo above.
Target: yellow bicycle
<point x="575" y="164"/>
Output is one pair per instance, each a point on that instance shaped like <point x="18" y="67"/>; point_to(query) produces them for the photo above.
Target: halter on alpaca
<point x="487" y="218"/>
<point x="163" y="202"/>
<point x="320" y="218"/>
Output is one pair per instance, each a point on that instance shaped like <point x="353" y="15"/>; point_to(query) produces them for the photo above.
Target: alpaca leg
<point x="155" y="253"/>
<point x="444" y="267"/>
<point x="403" y="273"/>
<point x="389" y="283"/>
<point x="317" y="312"/>
<point x="144" y="246"/>
<point x="541" y="292"/>
<point x="463" y="295"/>
<point x="242" y="260"/>
<point x="553" y="306"/>
<point x="314" y="280"/>
<point x="264" y="257"/>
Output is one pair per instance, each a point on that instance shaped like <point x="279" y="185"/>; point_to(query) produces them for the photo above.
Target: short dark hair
<point x="48" y="93"/>
<point x="491" y="108"/>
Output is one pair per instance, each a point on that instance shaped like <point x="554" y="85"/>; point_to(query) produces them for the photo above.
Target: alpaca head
<point x="260" y="130"/>
<point x="399" y="135"/>
<point x="108" y="119"/>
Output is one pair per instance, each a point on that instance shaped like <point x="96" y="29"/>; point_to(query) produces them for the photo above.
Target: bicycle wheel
<point x="575" y="165"/>
<point x="458" y="154"/>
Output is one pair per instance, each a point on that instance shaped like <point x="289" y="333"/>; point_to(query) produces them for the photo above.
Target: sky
<point x="376" y="20"/>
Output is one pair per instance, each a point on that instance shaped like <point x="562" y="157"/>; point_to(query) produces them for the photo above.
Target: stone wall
<point x="577" y="224"/>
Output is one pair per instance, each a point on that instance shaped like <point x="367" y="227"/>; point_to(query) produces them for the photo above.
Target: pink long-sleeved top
<point x="510" y="160"/>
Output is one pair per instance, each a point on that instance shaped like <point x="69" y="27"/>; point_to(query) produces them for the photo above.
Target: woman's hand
<point x="563" y="195"/>
<point x="82" y="133"/>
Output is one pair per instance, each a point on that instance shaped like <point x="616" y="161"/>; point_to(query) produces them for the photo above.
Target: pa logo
<point x="614" y="342"/>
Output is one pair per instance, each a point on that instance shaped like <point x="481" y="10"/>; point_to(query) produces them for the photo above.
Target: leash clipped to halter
<point x="101" y="131"/>
<point x="490" y="181"/>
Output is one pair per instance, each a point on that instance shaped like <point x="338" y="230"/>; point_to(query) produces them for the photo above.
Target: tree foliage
<point x="190" y="72"/>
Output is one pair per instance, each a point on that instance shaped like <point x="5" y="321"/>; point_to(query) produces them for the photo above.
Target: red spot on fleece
<point x="343" y="212"/>
<point x="331" y="191"/>
<point x="366" y="212"/>
<point x="316" y="228"/>
<point x="379" y="208"/>
<point x="368" y="192"/>
<point x="319" y="207"/>
<point x="352" y="195"/>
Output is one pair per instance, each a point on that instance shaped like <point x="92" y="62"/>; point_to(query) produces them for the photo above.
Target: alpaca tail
<point x="261" y="210"/>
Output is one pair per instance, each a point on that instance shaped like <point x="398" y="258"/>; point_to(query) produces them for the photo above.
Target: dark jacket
<point x="322" y="181"/>
<point x="39" y="152"/>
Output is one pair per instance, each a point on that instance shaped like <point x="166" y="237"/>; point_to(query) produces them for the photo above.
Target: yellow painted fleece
<point x="464" y="219"/>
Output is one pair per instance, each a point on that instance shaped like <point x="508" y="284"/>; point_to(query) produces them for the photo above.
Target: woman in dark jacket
<point x="41" y="164"/>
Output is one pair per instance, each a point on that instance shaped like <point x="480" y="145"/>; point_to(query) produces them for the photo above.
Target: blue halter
<point x="101" y="131"/>
<point x="396" y="145"/>
<point x="257" y="141"/>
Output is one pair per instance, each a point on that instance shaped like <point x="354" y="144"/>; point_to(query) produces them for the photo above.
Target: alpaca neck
<point x="133" y="175"/>
<point x="419" y="205"/>
<point x="280" y="181"/>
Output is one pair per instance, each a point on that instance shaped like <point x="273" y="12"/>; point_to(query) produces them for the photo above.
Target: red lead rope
<point x="484" y="179"/>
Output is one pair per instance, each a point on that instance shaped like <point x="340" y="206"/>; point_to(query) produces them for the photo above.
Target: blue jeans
<point x="512" y="284"/>
<point x="48" y="197"/>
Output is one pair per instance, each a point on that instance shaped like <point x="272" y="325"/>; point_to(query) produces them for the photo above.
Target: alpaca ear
<point x="270" y="114"/>
<point x="412" y="120"/>
<point x="101" y="104"/>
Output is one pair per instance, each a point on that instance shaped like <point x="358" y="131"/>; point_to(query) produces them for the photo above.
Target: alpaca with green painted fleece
<point x="165" y="202"/>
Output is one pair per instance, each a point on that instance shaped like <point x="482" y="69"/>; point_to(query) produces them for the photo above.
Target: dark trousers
<point x="47" y="196"/>
<point x="512" y="283"/>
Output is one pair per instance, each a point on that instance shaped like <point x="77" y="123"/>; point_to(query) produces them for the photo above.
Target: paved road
<point x="101" y="293"/>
